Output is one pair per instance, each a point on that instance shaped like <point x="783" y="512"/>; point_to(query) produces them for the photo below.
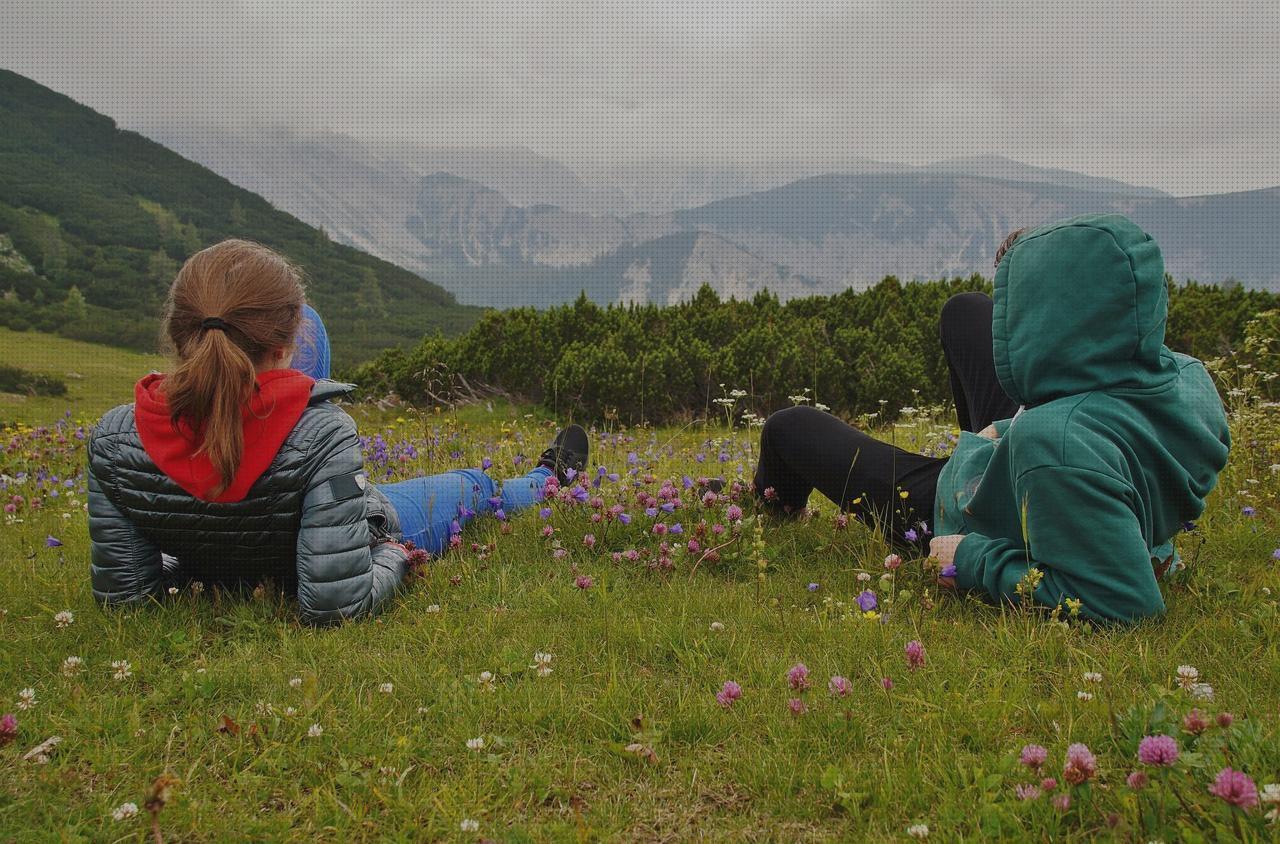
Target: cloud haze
<point x="1184" y="96"/>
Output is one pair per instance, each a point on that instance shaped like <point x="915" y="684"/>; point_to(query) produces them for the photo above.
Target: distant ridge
<point x="113" y="214"/>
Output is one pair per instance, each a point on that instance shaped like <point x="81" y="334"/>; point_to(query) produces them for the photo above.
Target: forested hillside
<point x="95" y="221"/>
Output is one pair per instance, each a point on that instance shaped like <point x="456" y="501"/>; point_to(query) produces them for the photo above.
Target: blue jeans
<point x="432" y="508"/>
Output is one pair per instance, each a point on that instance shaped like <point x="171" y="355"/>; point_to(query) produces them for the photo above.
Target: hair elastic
<point x="213" y="322"/>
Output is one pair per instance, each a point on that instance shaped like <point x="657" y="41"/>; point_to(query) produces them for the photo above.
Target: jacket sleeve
<point x="342" y="573"/>
<point x="1082" y="534"/>
<point x="124" y="567"/>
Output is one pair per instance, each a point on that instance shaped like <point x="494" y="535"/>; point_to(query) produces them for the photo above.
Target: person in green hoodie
<point x="1076" y="498"/>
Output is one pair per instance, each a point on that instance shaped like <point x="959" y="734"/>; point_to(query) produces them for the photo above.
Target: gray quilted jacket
<point x="311" y="521"/>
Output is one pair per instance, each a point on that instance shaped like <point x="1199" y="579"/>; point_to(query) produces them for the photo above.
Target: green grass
<point x="636" y="661"/>
<point x="97" y="377"/>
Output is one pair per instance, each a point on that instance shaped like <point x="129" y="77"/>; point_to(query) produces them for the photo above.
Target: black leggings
<point x="803" y="449"/>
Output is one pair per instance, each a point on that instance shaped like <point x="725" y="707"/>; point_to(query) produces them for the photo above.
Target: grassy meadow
<point x="557" y="679"/>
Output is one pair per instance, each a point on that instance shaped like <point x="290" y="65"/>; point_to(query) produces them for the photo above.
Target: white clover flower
<point x="717" y="627"/>
<point x="295" y="682"/>
<point x="1084" y="696"/>
<point x="386" y="688"/>
<point x="71" y="665"/>
<point x="124" y="811"/>
<point x="918" y="831"/>
<point x="542" y="663"/>
<point x="123" y="670"/>
<point x="264" y="708"/>
<point x="289" y="712"/>
<point x="820" y="406"/>
<point x="476" y="743"/>
<point x="64" y="619"/>
<point x="315" y="731"/>
<point x="173" y="590"/>
<point x="434" y="608"/>
<point x="469" y="825"/>
<point x="1092" y="677"/>
<point x="197" y="587"/>
<point x="1202" y="691"/>
<point x="487" y="682"/>
<point x="27" y="698"/>
<point x="1187" y="676"/>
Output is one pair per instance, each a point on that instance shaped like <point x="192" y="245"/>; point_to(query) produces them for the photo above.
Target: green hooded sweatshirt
<point x="1120" y="439"/>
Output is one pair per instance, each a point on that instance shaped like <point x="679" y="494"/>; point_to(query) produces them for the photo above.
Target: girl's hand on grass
<point x="943" y="549"/>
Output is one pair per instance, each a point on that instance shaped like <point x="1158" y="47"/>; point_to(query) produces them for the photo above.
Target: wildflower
<point x="1048" y="784"/>
<point x="27" y="698"/>
<point x="1202" y="691"/>
<point x="1027" y="792"/>
<point x="1248" y="511"/>
<point x="717" y="627"/>
<point x="1137" y="780"/>
<point x="71" y="665"/>
<point x="886" y="684"/>
<point x="1092" y="677"/>
<point x="1084" y="696"/>
<point x="295" y="682"/>
<point x="123" y="670"/>
<point x="1033" y="756"/>
<point x="486" y="464"/>
<point x="915" y="654"/>
<point x="583" y="581"/>
<point x="797" y="706"/>
<point x="949" y="570"/>
<point x="542" y="663"/>
<point x="911" y="535"/>
<point x="1236" y="788"/>
<point x="734" y="512"/>
<point x="1187" y="676"/>
<point x="866" y="600"/>
<point x="839" y="686"/>
<point x="469" y="825"/>
<point x="1271" y="797"/>
<point x="487" y="681"/>
<point x="545" y="513"/>
<point x="434" y="608"/>
<point x="892" y="561"/>
<point x="1225" y="719"/>
<point x="589" y="540"/>
<point x="728" y="693"/>
<point x="64" y="619"/>
<point x="8" y="728"/>
<point x="476" y="743"/>
<point x="1080" y="765"/>
<point x="813" y="587"/>
<point x="918" y="831"/>
<point x="798" y="676"/>
<point x="863" y="577"/>
<point x="1159" y="751"/>
<point x="289" y="711"/>
<point x="52" y="542"/>
<point x="124" y="811"/>
<point x="1195" y="722"/>
<point x="386" y="688"/>
<point x="1062" y="802"/>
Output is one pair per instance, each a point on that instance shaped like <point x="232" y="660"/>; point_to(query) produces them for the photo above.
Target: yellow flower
<point x="903" y="494"/>
<point x="871" y="615"/>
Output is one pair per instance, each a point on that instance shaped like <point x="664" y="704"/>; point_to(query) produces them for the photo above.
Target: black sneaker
<point x="567" y="451"/>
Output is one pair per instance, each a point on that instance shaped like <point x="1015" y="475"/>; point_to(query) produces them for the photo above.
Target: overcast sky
<point x="1183" y="96"/>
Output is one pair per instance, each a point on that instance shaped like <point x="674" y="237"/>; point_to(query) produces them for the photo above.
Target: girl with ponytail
<point x="235" y="467"/>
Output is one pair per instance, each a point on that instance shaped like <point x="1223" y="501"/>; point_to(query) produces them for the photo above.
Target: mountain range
<point x="95" y="222"/>
<point x="509" y="227"/>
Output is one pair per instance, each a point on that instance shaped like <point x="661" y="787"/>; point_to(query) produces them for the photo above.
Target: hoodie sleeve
<point x="125" y="567"/>
<point x="343" y="570"/>
<point x="1099" y="557"/>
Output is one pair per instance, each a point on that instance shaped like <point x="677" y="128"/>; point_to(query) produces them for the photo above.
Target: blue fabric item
<point x="428" y="507"/>
<point x="311" y="357"/>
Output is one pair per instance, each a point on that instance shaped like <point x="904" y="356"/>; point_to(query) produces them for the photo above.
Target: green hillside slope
<point x="95" y="221"/>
